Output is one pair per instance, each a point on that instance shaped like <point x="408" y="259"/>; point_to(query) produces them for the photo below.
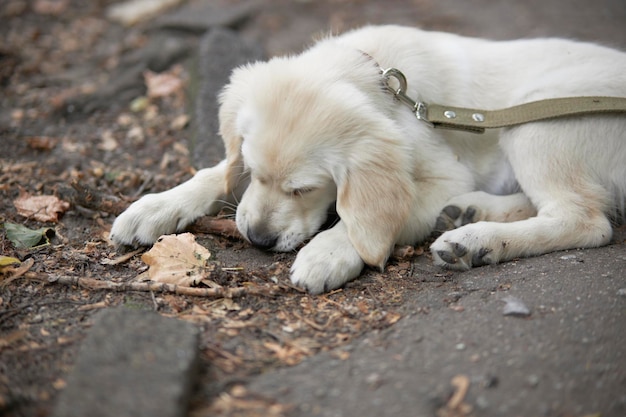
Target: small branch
<point x="216" y="225"/>
<point x="84" y="196"/>
<point x="96" y="284"/>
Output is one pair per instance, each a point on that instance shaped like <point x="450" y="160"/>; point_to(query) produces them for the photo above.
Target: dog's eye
<point x="299" y="192"/>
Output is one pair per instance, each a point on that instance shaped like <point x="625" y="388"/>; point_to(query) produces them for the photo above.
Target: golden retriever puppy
<point x="308" y="131"/>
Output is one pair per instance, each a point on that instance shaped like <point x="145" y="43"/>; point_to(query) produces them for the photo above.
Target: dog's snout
<point x="262" y="240"/>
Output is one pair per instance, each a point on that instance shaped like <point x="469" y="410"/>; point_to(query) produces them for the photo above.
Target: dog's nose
<point x="262" y="240"/>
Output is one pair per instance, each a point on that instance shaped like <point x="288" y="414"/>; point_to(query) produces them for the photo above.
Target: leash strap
<point x="476" y="120"/>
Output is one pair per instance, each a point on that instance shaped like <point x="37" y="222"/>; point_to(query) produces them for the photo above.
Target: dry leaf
<point x="403" y="252"/>
<point x="44" y="208"/>
<point x="8" y="261"/>
<point x="180" y="122"/>
<point x="133" y="11"/>
<point x="108" y="141"/>
<point x="163" y="84"/>
<point x="17" y="271"/>
<point x="178" y="259"/>
<point x="50" y="7"/>
<point x="42" y="143"/>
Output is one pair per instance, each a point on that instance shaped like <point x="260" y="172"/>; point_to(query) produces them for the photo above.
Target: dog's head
<point x="311" y="130"/>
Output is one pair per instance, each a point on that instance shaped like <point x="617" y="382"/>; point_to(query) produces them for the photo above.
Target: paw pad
<point x="452" y="217"/>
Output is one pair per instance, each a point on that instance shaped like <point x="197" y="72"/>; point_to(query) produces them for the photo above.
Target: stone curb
<point x="132" y="363"/>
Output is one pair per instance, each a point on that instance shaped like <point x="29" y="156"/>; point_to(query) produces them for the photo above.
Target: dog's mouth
<point x="267" y="241"/>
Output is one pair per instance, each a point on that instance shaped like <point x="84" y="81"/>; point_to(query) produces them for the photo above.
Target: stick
<point x="216" y="225"/>
<point x="82" y="195"/>
<point x="96" y="284"/>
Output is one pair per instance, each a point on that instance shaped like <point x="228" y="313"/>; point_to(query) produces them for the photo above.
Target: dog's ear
<point x="374" y="199"/>
<point x="231" y="100"/>
<point x="234" y="160"/>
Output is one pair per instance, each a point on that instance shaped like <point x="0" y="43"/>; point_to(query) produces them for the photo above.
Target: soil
<point x="66" y="130"/>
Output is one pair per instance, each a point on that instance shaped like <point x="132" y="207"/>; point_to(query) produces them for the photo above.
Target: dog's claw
<point x="469" y="216"/>
<point x="447" y="257"/>
<point x="479" y="257"/>
<point x="452" y="217"/>
<point x="452" y="212"/>
<point x="459" y="250"/>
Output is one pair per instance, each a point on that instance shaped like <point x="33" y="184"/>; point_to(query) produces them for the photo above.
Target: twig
<point x="122" y="258"/>
<point x="312" y="323"/>
<point x="85" y="196"/>
<point x="96" y="284"/>
<point x="216" y="225"/>
<point x="461" y="383"/>
<point x="456" y="406"/>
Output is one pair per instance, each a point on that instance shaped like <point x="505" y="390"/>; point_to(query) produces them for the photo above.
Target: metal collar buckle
<point x="420" y="109"/>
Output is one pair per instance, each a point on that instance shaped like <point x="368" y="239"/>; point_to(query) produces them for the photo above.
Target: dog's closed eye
<point x="299" y="192"/>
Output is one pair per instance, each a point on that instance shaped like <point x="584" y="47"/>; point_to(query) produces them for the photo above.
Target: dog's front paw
<point x="464" y="248"/>
<point x="148" y="218"/>
<point x="324" y="264"/>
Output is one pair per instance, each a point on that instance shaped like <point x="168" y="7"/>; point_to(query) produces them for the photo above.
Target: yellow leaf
<point x="178" y="259"/>
<point x="7" y="260"/>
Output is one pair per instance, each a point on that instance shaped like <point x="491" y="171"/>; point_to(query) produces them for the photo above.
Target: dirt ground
<point x="66" y="131"/>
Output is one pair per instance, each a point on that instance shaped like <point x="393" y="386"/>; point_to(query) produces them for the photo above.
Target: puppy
<point x="305" y="132"/>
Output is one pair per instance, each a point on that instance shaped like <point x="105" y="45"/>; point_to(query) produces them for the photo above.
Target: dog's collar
<point x="476" y="121"/>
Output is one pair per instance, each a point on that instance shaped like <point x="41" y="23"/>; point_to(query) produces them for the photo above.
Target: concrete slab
<point x="132" y="364"/>
<point x="219" y="52"/>
<point x="565" y="358"/>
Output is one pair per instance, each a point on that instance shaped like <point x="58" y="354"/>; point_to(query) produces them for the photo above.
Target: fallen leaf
<point x="392" y="318"/>
<point x="139" y="104"/>
<point x="50" y="7"/>
<point x="403" y="252"/>
<point x="41" y="143"/>
<point x="108" y="141"/>
<point x="59" y="384"/>
<point x="163" y="84"/>
<point x="178" y="259"/>
<point x="7" y="260"/>
<point x="180" y="122"/>
<point x="13" y="273"/>
<point x="43" y="208"/>
<point x="133" y="11"/>
<point x="24" y="238"/>
<point x="12" y="337"/>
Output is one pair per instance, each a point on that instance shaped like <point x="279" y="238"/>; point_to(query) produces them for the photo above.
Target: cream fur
<point x="305" y="131"/>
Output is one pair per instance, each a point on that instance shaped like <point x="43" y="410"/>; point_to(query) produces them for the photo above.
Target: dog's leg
<point x="170" y="211"/>
<point x="567" y="177"/>
<point x="484" y="243"/>
<point x="481" y="206"/>
<point x="327" y="262"/>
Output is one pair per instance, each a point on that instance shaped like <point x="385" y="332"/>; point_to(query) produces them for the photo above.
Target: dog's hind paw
<point x="454" y="250"/>
<point x="453" y="216"/>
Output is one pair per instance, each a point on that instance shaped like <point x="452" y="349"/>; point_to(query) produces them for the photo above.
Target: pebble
<point x="622" y="292"/>
<point x="533" y="380"/>
<point x="515" y="307"/>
